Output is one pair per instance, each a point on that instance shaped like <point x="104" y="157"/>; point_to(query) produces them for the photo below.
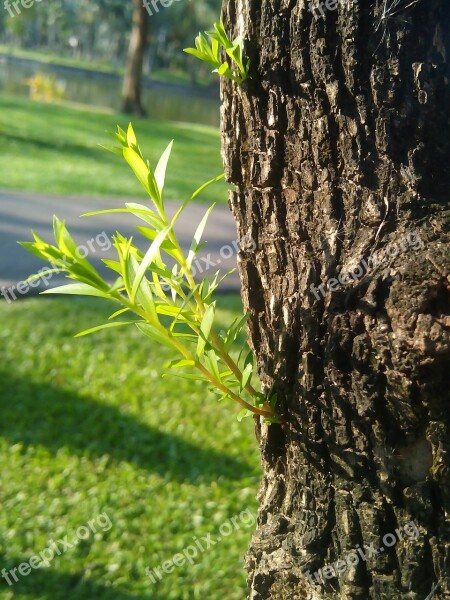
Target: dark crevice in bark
<point x="276" y="444"/>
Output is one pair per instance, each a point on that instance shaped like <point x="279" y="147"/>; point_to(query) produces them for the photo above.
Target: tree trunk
<point x="338" y="146"/>
<point x="131" y="93"/>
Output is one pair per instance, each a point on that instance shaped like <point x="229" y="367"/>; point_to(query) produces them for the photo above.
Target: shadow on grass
<point x="35" y="414"/>
<point x="77" y="150"/>
<point x="52" y="585"/>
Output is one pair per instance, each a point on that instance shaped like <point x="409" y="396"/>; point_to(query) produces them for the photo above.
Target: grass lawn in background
<point x="89" y="426"/>
<point x="54" y="148"/>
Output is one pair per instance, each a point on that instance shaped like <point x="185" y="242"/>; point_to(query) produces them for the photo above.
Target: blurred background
<point x="89" y="425"/>
<point x="78" y="48"/>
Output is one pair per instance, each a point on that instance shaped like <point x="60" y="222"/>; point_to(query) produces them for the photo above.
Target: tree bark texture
<point x="131" y="92"/>
<point x="338" y="147"/>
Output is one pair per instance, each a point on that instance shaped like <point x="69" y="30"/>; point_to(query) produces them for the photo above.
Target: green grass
<point x="171" y="76"/>
<point x="89" y="426"/>
<point x="54" y="149"/>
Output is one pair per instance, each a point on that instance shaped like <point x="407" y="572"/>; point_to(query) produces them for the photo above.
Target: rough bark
<point x="338" y="146"/>
<point x="131" y="92"/>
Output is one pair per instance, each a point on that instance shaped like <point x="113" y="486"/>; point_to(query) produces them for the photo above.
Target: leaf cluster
<point x="236" y="67"/>
<point x="156" y="291"/>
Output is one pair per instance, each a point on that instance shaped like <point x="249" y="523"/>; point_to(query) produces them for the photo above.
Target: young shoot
<point x="164" y="302"/>
<point x="210" y="52"/>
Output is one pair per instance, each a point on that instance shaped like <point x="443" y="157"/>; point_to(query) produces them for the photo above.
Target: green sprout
<point x="164" y="302"/>
<point x="209" y="52"/>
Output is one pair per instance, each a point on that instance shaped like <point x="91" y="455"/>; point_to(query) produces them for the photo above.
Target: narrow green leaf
<point x="154" y="191"/>
<point x="198" y="236"/>
<point x="174" y="279"/>
<point x="118" y="313"/>
<point x="131" y="136"/>
<point x="205" y="328"/>
<point x="235" y="52"/>
<point x="197" y="53"/>
<point x="113" y="265"/>
<point x="114" y="149"/>
<point x="139" y="167"/>
<point x="147" y="215"/>
<point x="144" y="295"/>
<point x="184" y="304"/>
<point x="78" y="289"/>
<point x="157" y="335"/>
<point x="178" y="364"/>
<point x="207" y="184"/>
<point x="121" y="136"/>
<point x="160" y="171"/>
<point x="68" y="246"/>
<point x="195" y="194"/>
<point x="234" y="331"/>
<point x="43" y="273"/>
<point x="37" y="238"/>
<point x="211" y="361"/>
<point x="246" y="375"/>
<point x="220" y="397"/>
<point x="34" y="249"/>
<point x="105" y="326"/>
<point x="190" y="376"/>
<point x="222" y="34"/>
<point x="64" y="240"/>
<point x="215" y="49"/>
<point x="173" y="311"/>
<point x="148" y="258"/>
<point x="151" y="234"/>
<point x="249" y="359"/>
<point x="224" y="68"/>
<point x="122" y="245"/>
<point x="157" y="288"/>
<point x="243" y="414"/>
<point x="143" y="213"/>
<point x="208" y="320"/>
<point x="187" y="337"/>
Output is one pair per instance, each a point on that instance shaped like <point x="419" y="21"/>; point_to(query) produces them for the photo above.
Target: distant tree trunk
<point x="339" y="148"/>
<point x="131" y="93"/>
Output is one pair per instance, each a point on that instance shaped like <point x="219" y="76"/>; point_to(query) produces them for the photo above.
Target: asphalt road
<point x="21" y="212"/>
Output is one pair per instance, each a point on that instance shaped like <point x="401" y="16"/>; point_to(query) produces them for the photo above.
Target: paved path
<point x="21" y="212"/>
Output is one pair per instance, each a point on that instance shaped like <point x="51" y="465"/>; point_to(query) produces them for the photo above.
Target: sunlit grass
<point x="54" y="148"/>
<point x="89" y="425"/>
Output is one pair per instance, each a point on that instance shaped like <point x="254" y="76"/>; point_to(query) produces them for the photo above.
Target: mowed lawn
<point x="89" y="426"/>
<point x="54" y="149"/>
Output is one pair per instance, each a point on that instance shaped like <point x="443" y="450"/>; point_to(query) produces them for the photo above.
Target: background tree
<point x="132" y="83"/>
<point x="338" y="147"/>
<point x="100" y="30"/>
